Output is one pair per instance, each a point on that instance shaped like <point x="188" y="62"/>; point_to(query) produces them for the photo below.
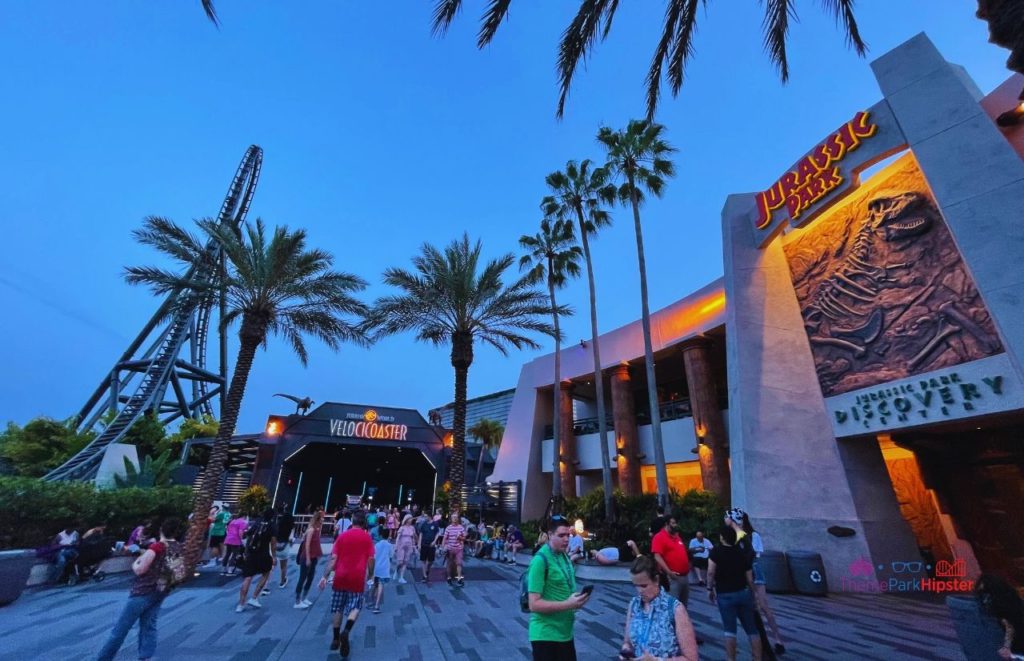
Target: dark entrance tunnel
<point x="322" y="473"/>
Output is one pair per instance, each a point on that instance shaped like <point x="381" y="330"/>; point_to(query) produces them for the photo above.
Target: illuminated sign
<point x="826" y="173"/>
<point x="816" y="175"/>
<point x="367" y="429"/>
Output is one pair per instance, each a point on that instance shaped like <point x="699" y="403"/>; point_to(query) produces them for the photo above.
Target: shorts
<point x="216" y="540"/>
<point x="737" y="605"/>
<point x="758" y="574"/>
<point x="455" y="555"/>
<point x="428" y="554"/>
<point x="346" y="602"/>
<point x="253" y="566"/>
<point x="549" y="650"/>
<point x="700" y="563"/>
<point x="381" y="580"/>
<point x="281" y="546"/>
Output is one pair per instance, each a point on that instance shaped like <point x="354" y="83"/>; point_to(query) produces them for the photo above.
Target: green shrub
<point x="255" y="499"/>
<point x="34" y="511"/>
<point x="694" y="510"/>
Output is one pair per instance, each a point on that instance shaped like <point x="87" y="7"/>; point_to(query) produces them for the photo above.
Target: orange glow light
<point x="273" y="428"/>
<point x="716" y="303"/>
<point x="449" y="440"/>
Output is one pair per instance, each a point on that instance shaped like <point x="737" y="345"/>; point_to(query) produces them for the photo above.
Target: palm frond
<point x="776" y="29"/>
<point x="842" y="10"/>
<point x="577" y="41"/>
<point x="496" y="12"/>
<point x="444" y="13"/>
<point x="211" y="12"/>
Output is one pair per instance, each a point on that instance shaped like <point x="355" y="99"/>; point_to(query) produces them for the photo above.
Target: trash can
<point x="980" y="635"/>
<point x="776" y="572"/>
<point x="808" y="573"/>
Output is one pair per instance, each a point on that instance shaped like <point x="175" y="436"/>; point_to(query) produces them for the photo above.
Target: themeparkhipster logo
<point x="913" y="576"/>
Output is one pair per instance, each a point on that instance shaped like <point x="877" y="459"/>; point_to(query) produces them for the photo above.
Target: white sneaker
<point x="402" y="581"/>
<point x="255" y="603"/>
<point x="239" y="609"/>
<point x="302" y="605"/>
<point x="265" y="592"/>
<point x="307" y="603"/>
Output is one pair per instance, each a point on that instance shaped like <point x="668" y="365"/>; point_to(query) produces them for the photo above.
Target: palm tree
<point x="675" y="47"/>
<point x="448" y="299"/>
<point x="489" y="432"/>
<point x="553" y="256"/>
<point x="641" y="156"/>
<point x="579" y="193"/>
<point x="271" y="284"/>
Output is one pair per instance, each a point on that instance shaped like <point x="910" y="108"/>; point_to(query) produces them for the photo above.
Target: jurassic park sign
<point x="828" y="172"/>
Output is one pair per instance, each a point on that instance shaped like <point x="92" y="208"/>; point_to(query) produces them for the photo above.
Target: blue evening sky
<point x="378" y="137"/>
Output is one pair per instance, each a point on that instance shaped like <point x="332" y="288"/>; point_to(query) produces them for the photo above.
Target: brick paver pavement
<point x="480" y="621"/>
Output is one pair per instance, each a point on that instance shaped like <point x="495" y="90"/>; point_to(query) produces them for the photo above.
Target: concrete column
<point x="624" y="415"/>
<point x="567" y="441"/>
<point x="707" y="419"/>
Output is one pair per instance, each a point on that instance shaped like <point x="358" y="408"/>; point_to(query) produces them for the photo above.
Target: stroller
<point x="92" y="551"/>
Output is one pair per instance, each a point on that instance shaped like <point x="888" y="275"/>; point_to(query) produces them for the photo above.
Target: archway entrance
<point x="323" y="474"/>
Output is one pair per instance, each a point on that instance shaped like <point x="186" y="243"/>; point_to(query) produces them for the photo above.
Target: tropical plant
<point x="489" y="432"/>
<point x="253" y="500"/>
<point x="579" y="194"/>
<point x="272" y="284"/>
<point x="149" y="473"/>
<point x="451" y="298"/>
<point x="639" y="155"/>
<point x="675" y="47"/>
<point x="41" y="445"/>
<point x="553" y="257"/>
<point x="203" y="427"/>
<point x="147" y="434"/>
<point x="34" y="510"/>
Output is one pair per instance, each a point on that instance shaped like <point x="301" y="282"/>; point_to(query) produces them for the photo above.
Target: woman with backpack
<point x="156" y="572"/>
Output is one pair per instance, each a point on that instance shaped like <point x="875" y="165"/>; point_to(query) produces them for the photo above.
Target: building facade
<point x="855" y="379"/>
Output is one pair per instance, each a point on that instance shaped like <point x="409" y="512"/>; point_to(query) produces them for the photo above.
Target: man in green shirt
<point x="218" y="529"/>
<point x="551" y="583"/>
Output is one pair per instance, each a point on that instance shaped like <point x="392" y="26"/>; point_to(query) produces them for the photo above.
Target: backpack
<point x="257" y="539"/>
<point x="524" y="587"/>
<point x="173" y="569"/>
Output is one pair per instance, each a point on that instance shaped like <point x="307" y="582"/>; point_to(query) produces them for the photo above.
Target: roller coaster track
<point x="182" y="320"/>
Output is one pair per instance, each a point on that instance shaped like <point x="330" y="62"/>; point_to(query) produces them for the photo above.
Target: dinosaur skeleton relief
<point x="882" y="288"/>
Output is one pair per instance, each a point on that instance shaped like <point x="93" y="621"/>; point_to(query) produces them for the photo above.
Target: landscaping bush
<point x="33" y="511"/>
<point x="255" y="499"/>
<point x="694" y="510"/>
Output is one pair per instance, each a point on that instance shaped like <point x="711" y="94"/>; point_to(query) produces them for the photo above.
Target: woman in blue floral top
<point x="658" y="628"/>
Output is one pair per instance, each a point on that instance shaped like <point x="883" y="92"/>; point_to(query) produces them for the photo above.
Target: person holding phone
<point x="658" y="628"/>
<point x="553" y="596"/>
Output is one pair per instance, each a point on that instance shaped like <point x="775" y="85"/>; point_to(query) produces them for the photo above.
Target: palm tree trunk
<point x="556" y="473"/>
<point x="250" y="335"/>
<point x="602" y="424"/>
<point x="660" y="471"/>
<point x="462" y="358"/>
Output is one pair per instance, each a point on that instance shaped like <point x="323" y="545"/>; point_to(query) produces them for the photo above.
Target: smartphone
<point x="587" y="589"/>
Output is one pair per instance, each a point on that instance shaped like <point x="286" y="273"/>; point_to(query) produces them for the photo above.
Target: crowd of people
<point x="371" y="548"/>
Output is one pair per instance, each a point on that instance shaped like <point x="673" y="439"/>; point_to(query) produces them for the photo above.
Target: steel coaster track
<point x="189" y="319"/>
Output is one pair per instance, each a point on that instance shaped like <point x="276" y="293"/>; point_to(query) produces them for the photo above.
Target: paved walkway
<point x="480" y="621"/>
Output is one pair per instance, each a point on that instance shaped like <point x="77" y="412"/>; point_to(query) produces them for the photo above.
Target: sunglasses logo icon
<point x="907" y="567"/>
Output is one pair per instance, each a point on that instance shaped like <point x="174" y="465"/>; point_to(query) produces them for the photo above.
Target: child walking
<point x="381" y="568"/>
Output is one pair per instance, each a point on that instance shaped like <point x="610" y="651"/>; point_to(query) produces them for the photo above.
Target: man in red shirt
<point x="352" y="554"/>
<point x="671" y="555"/>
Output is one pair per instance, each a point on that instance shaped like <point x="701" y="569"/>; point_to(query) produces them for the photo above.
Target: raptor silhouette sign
<point x="828" y="172"/>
